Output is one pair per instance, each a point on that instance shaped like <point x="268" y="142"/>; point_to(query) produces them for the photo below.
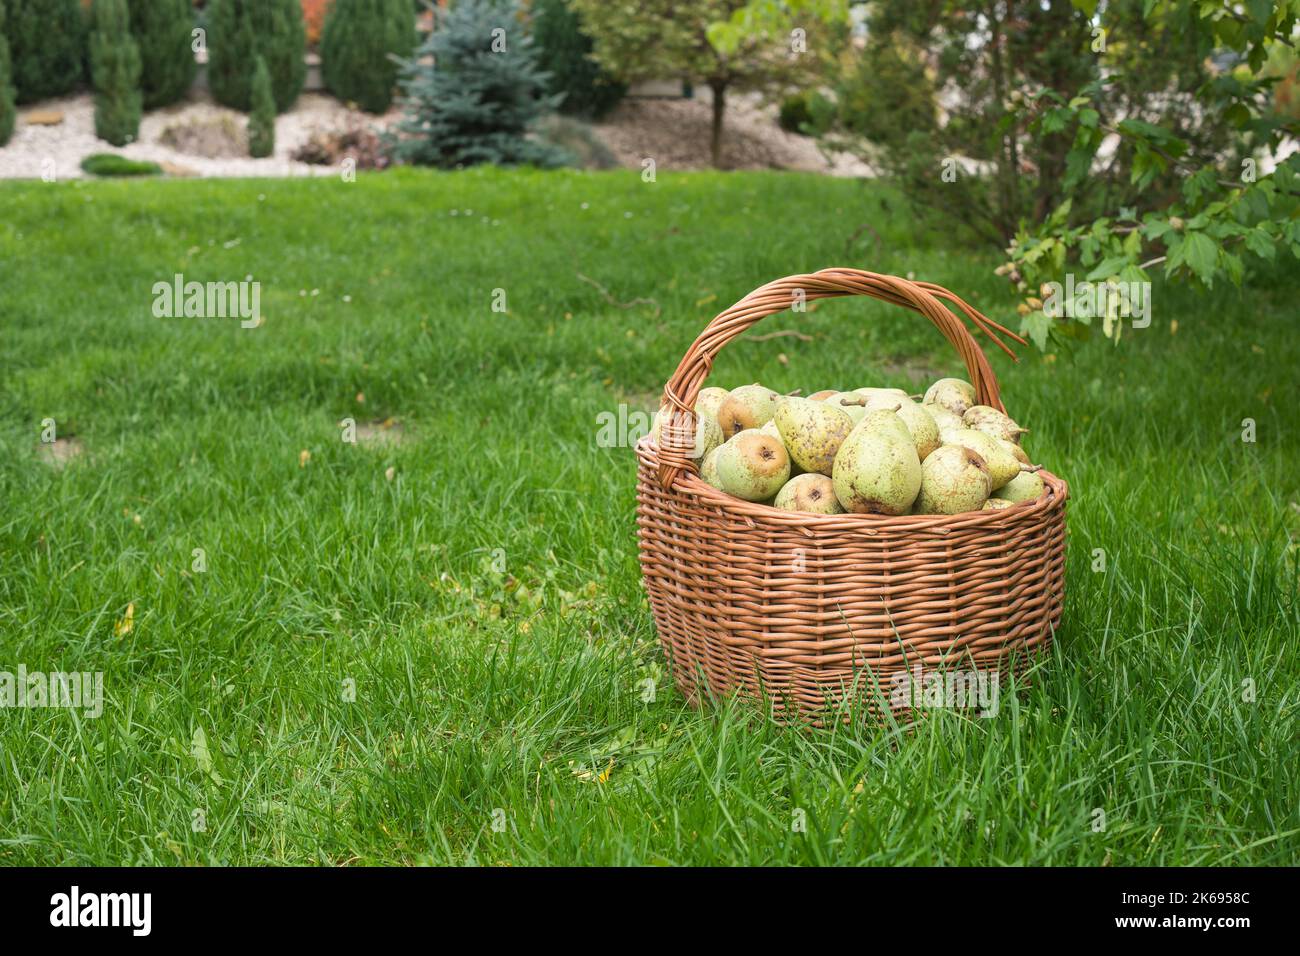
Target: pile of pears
<point x="867" y="451"/>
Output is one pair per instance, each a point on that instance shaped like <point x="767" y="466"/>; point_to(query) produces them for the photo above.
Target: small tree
<point x="261" y="122"/>
<point x="658" y="39"/>
<point x="115" y="69"/>
<point x="565" y="53"/>
<point x="7" y="110"/>
<point x="239" y="31"/>
<point x="47" y="47"/>
<point x="472" y="90"/>
<point x="162" y="32"/>
<point x="359" y="42"/>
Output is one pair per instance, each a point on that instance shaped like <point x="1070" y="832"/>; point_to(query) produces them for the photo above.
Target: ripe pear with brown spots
<point x="810" y="492"/>
<point x="750" y="406"/>
<point x="753" y="465"/>
<point x="877" y="470"/>
<point x="953" y="479"/>
<point x="812" y="431"/>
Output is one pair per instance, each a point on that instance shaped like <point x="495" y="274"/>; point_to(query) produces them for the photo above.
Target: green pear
<point x="810" y="492"/>
<point x="996" y="504"/>
<point x="709" y="469"/>
<point x="812" y="431"/>
<point x="749" y="406"/>
<point x="822" y="395"/>
<point x="1022" y="456"/>
<point x="945" y="419"/>
<point x="1001" y="464"/>
<point x="707" y="402"/>
<point x="953" y="479"/>
<point x="708" y="435"/>
<point x="752" y="465"/>
<point x="877" y="470"/>
<point x="1026" y="486"/>
<point x="921" y="425"/>
<point x="881" y="393"/>
<point x="982" y="418"/>
<point x="851" y="403"/>
<point x="954" y="394"/>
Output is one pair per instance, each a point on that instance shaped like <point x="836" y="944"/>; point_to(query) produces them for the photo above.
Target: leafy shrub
<point x="809" y="113"/>
<point x="261" y="122"/>
<point x="239" y="32"/>
<point x="162" y="32"/>
<point x="115" y="69"/>
<point x="7" y="109"/>
<point x="361" y="38"/>
<point x="110" y="164"/>
<point x="473" y="89"/>
<point x="47" y="47"/>
<point x="564" y="51"/>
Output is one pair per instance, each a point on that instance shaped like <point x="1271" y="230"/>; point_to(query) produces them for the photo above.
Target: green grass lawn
<point x="484" y="601"/>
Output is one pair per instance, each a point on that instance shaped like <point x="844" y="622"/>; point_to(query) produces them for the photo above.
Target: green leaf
<point x="1108" y="267"/>
<point x="1037" y="325"/>
<point x="1201" y="254"/>
<point x="1261" y="243"/>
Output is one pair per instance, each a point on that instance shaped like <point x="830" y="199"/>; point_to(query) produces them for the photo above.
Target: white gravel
<point x="74" y="139"/>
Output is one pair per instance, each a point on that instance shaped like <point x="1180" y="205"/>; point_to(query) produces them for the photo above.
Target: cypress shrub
<point x="261" y="122"/>
<point x="565" y="53"/>
<point x="115" y="69"/>
<point x="468" y="99"/>
<point x="358" y="44"/>
<point x="7" y="109"/>
<point x="239" y="31"/>
<point x="47" y="47"/>
<point x="162" y="31"/>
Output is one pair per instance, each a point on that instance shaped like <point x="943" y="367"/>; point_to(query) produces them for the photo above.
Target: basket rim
<point x="1058" y="491"/>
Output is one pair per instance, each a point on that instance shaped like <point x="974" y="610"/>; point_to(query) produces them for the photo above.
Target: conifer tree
<point x="47" y="47"/>
<point x="239" y="31"/>
<point x="163" y="32"/>
<point x="472" y="91"/>
<point x="261" y="122"/>
<point x="115" y="70"/>
<point x="358" y="44"/>
<point x="7" y="108"/>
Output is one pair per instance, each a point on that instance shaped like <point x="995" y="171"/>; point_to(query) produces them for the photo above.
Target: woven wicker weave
<point x="811" y="612"/>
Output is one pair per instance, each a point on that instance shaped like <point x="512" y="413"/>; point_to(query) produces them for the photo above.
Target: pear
<point x="1022" y="456"/>
<point x="771" y="429"/>
<point x="850" y="402"/>
<point x="877" y="470"/>
<point x="709" y="469"/>
<point x="749" y="406"/>
<point x="945" y="419"/>
<point x="982" y="418"/>
<point x="1001" y="464"/>
<point x="752" y="465"/>
<point x="921" y="426"/>
<point x="954" y="394"/>
<point x="707" y="402"/>
<point x="810" y="492"/>
<point x="812" y="431"/>
<point x="1026" y="486"/>
<point x="884" y="393"/>
<point x="996" y="504"/>
<point x="953" y="479"/>
<point x="822" y="395"/>
<point x="708" y="435"/>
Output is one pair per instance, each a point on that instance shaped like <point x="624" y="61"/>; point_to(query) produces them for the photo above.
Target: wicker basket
<point x="813" y="613"/>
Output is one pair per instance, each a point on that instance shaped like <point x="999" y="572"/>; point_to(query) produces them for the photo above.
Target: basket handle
<point x="781" y="294"/>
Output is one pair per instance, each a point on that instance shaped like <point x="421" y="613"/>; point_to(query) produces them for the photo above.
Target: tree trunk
<point x="719" y="88"/>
